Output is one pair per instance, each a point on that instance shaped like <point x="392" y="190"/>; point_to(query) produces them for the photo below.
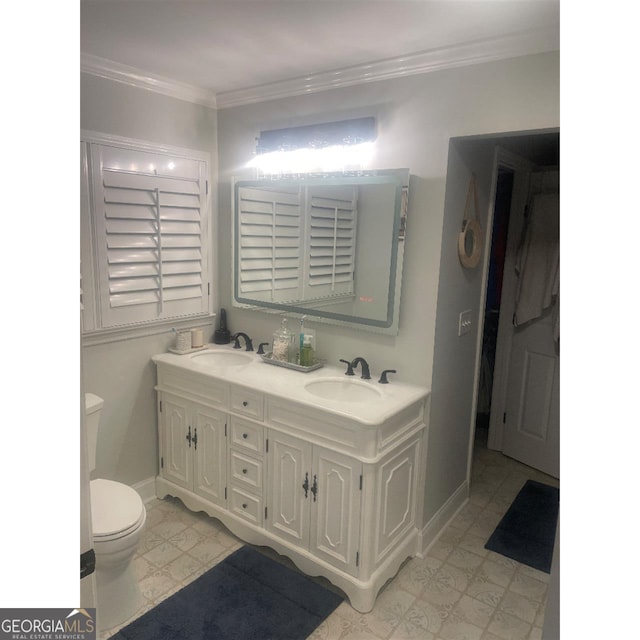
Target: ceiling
<point x="226" y="47"/>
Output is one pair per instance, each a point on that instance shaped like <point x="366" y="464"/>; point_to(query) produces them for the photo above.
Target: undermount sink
<point x="342" y="390"/>
<point x="222" y="358"/>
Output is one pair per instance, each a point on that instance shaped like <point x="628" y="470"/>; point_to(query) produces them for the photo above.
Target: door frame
<point x="522" y="169"/>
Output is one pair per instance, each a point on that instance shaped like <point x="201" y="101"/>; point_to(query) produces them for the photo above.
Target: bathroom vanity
<point x="326" y="469"/>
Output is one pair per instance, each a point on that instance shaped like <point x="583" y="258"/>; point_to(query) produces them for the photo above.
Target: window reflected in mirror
<point x="326" y="246"/>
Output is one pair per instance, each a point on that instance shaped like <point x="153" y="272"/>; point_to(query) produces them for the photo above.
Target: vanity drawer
<point x="246" y="471"/>
<point x="246" y="506"/>
<point x="247" y="435"/>
<point x="247" y="402"/>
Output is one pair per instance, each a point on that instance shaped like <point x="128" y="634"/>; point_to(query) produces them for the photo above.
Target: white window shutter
<point x="270" y="244"/>
<point x="331" y="241"/>
<point x="150" y="235"/>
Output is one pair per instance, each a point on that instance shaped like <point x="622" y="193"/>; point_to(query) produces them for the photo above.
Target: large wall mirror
<point x="328" y="246"/>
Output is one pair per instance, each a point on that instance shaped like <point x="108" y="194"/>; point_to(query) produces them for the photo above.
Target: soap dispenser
<point x="282" y="343"/>
<point x="306" y="352"/>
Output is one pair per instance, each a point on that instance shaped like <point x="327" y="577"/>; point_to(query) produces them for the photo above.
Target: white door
<point x="525" y="421"/>
<point x="532" y="420"/>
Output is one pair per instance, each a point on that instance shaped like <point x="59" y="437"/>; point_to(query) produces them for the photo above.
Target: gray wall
<point x="454" y="356"/>
<point x="416" y="118"/>
<point x="121" y="372"/>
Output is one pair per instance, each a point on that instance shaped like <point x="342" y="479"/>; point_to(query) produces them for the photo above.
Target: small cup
<point x="197" y="338"/>
<point x="183" y="341"/>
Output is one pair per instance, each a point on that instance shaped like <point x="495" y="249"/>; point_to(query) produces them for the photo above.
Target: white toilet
<point x="117" y="518"/>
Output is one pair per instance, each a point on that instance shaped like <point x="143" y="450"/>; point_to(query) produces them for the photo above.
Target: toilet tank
<point x="92" y="411"/>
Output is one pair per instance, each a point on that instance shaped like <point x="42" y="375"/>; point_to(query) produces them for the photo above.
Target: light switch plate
<point x="464" y="322"/>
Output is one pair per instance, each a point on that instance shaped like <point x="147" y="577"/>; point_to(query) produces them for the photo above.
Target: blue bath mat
<point x="246" y="597"/>
<point x="527" y="531"/>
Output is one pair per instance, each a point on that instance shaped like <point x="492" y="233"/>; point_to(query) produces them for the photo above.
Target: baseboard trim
<point x="146" y="489"/>
<point x="430" y="533"/>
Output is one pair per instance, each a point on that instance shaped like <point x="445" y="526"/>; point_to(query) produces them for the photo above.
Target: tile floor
<point x="458" y="591"/>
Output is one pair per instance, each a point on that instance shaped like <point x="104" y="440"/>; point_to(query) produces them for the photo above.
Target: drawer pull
<point x="245" y="435"/>
<point x="244" y="471"/>
<point x="245" y="403"/>
<point x="244" y="505"/>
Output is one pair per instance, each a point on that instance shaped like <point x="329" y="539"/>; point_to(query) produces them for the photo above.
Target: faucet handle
<point x="236" y="337"/>
<point x="383" y="376"/>
<point x="261" y="346"/>
<point x="349" y="371"/>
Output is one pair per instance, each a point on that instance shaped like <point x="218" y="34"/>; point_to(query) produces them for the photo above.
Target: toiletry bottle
<point x="306" y="353"/>
<point x="282" y="340"/>
<point x="300" y="341"/>
<point x="294" y="350"/>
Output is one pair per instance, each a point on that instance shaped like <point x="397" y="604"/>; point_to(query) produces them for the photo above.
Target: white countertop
<point x="380" y="401"/>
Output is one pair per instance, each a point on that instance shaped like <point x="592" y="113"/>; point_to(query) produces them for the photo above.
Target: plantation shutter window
<point x="149" y="235"/>
<point x="271" y="244"/>
<point x="331" y="241"/>
<point x="296" y="243"/>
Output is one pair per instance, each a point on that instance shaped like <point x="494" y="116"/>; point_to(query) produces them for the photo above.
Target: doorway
<point x="509" y="360"/>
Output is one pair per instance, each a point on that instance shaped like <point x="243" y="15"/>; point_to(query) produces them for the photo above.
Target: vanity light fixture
<point x="334" y="146"/>
<point x="334" y="159"/>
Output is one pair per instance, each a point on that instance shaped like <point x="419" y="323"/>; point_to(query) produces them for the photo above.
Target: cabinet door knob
<point x="245" y="435"/>
<point x="245" y="403"/>
<point x="244" y="471"/>
<point x="244" y="505"/>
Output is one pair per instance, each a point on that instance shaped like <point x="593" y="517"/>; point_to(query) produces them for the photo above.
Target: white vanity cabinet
<point x="193" y="446"/>
<point x="335" y="487"/>
<point x="315" y="498"/>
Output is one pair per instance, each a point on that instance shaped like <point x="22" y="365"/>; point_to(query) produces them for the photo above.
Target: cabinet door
<point x="289" y="463"/>
<point x="335" y="510"/>
<point x="176" y="448"/>
<point x="210" y="453"/>
<point x="396" y="503"/>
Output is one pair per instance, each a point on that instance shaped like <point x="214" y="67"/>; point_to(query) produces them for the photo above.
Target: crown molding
<point x="480" y="51"/>
<point x="477" y="52"/>
<point x="141" y="79"/>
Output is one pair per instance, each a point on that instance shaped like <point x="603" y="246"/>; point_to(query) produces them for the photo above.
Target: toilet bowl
<point x="117" y="519"/>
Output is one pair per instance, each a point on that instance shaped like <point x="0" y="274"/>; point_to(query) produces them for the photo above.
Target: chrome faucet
<point x="247" y="341"/>
<point x="366" y="375"/>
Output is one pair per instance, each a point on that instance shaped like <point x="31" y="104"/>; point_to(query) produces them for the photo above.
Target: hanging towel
<point x="538" y="261"/>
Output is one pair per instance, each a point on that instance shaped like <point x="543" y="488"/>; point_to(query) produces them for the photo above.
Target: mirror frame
<point x="399" y="178"/>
